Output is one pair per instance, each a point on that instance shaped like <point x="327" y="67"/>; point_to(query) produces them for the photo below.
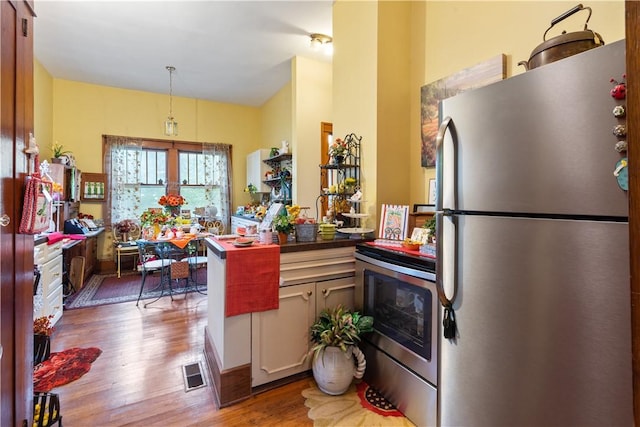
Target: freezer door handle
<point x="447" y="123"/>
<point x="441" y="213"/>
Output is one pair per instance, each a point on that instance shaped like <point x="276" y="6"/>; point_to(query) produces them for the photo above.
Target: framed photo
<point x="491" y="71"/>
<point x="393" y="222"/>
<point x="93" y="187"/>
<point x="432" y="192"/>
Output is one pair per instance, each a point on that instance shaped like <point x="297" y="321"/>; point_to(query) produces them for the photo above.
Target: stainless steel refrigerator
<point x="533" y="254"/>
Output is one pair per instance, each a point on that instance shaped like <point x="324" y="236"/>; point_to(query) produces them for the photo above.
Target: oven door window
<point x="401" y="311"/>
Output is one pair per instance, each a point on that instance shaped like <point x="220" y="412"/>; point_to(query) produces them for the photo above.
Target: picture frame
<point x="432" y="191"/>
<point x="93" y="187"/>
<point x="393" y="222"/>
<point x="482" y="74"/>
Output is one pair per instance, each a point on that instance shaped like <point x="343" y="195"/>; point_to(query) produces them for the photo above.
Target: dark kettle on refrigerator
<point x="564" y="45"/>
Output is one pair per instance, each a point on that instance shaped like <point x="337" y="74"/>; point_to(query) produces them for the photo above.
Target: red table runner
<point x="253" y="278"/>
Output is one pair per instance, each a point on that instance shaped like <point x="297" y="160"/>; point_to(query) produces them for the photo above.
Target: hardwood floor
<point x="137" y="380"/>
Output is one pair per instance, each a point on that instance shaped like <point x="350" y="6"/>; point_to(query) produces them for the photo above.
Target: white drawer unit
<point x="48" y="258"/>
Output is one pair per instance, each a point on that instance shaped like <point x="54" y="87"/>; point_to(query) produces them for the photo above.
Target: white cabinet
<point x="49" y="295"/>
<point x="280" y="339"/>
<point x="256" y="170"/>
<point x="313" y="280"/>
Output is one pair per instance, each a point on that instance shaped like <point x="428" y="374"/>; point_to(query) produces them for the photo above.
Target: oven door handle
<point x="442" y="213"/>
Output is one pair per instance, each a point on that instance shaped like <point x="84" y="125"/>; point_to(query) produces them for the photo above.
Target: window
<point x="141" y="171"/>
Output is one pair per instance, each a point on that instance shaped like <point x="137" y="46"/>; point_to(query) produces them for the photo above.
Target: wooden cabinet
<point x="87" y="248"/>
<point x="281" y="339"/>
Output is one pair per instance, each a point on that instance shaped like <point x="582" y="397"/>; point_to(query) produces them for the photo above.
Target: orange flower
<point x="172" y="200"/>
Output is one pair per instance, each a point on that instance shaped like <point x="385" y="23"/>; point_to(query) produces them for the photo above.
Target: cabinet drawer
<point x="51" y="271"/>
<point x="39" y="254"/>
<point x="54" y="305"/>
<point x="53" y="250"/>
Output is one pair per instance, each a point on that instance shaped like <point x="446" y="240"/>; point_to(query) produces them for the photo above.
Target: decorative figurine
<point x="620" y="89"/>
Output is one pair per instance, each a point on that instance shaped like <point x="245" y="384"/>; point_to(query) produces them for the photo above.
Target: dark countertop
<point x="294" y="246"/>
<point x="42" y="238"/>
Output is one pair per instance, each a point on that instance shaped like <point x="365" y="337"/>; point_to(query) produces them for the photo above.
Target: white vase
<point x="334" y="369"/>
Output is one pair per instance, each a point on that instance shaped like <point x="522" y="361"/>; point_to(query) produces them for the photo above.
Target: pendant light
<point x="170" y="125"/>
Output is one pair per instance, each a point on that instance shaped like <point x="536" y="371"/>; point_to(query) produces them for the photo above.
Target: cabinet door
<point x="330" y="293"/>
<point x="90" y="256"/>
<point x="280" y="338"/>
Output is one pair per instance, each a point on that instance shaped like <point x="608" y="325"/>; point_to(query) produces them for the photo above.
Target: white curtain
<point x="218" y="181"/>
<point x="122" y="166"/>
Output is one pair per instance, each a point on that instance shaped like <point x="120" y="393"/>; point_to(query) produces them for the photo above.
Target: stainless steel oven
<point x="399" y="291"/>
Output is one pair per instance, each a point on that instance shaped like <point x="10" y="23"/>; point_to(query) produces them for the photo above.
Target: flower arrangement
<point x="42" y="325"/>
<point x="282" y="223"/>
<point x="153" y="217"/>
<point x="125" y="226"/>
<point x="173" y="200"/>
<point x="338" y="148"/>
<point x="251" y="189"/>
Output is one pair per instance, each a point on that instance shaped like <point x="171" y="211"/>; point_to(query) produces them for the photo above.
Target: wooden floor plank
<point x="137" y="380"/>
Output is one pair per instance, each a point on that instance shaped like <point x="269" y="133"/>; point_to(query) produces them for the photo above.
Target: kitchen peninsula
<point x="255" y="348"/>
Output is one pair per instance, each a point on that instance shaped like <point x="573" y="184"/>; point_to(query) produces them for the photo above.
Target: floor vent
<point x="193" y="376"/>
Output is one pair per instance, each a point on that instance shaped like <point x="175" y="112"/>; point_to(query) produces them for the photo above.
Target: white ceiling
<point x="227" y="51"/>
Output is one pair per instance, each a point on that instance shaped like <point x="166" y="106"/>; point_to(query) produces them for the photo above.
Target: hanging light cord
<point x="171" y="70"/>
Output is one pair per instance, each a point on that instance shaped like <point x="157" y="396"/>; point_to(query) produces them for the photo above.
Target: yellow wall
<point x="444" y="37"/>
<point x="276" y="119"/>
<point x="355" y="80"/>
<point x="448" y="36"/>
<point x="84" y="112"/>
<point x="312" y="104"/>
<point x="42" y="111"/>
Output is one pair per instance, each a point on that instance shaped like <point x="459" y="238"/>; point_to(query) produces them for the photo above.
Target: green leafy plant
<point x="58" y="150"/>
<point x="282" y="223"/>
<point x="338" y="327"/>
<point x="431" y="226"/>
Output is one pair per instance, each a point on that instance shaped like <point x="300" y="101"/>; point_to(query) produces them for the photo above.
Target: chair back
<point x="152" y="256"/>
<point x="133" y="231"/>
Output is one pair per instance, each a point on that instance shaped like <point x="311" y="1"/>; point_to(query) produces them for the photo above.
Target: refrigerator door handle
<point x="441" y="212"/>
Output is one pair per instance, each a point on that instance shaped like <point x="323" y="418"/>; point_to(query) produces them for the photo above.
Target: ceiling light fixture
<point x="170" y="125"/>
<point x="322" y="41"/>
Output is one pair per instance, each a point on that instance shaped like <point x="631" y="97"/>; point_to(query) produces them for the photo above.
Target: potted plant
<point x="58" y="151"/>
<point x="431" y="226"/>
<point x="335" y="337"/>
<point x="283" y="226"/>
<point x="42" y="330"/>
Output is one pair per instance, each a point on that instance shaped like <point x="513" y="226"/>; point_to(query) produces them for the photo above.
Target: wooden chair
<point x="215" y="226"/>
<point x="195" y="261"/>
<point x="124" y="244"/>
<point x="76" y="273"/>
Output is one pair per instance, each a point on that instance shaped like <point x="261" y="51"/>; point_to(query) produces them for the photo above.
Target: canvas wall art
<point x="431" y="94"/>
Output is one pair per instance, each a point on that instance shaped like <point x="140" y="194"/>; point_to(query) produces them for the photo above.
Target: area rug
<point x="102" y="289"/>
<point x="63" y="367"/>
<point x="361" y="405"/>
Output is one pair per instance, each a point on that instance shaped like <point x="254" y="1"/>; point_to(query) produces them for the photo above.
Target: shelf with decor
<point x="279" y="179"/>
<point x="340" y="177"/>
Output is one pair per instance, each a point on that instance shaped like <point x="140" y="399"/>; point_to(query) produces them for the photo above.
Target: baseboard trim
<point x="229" y="386"/>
